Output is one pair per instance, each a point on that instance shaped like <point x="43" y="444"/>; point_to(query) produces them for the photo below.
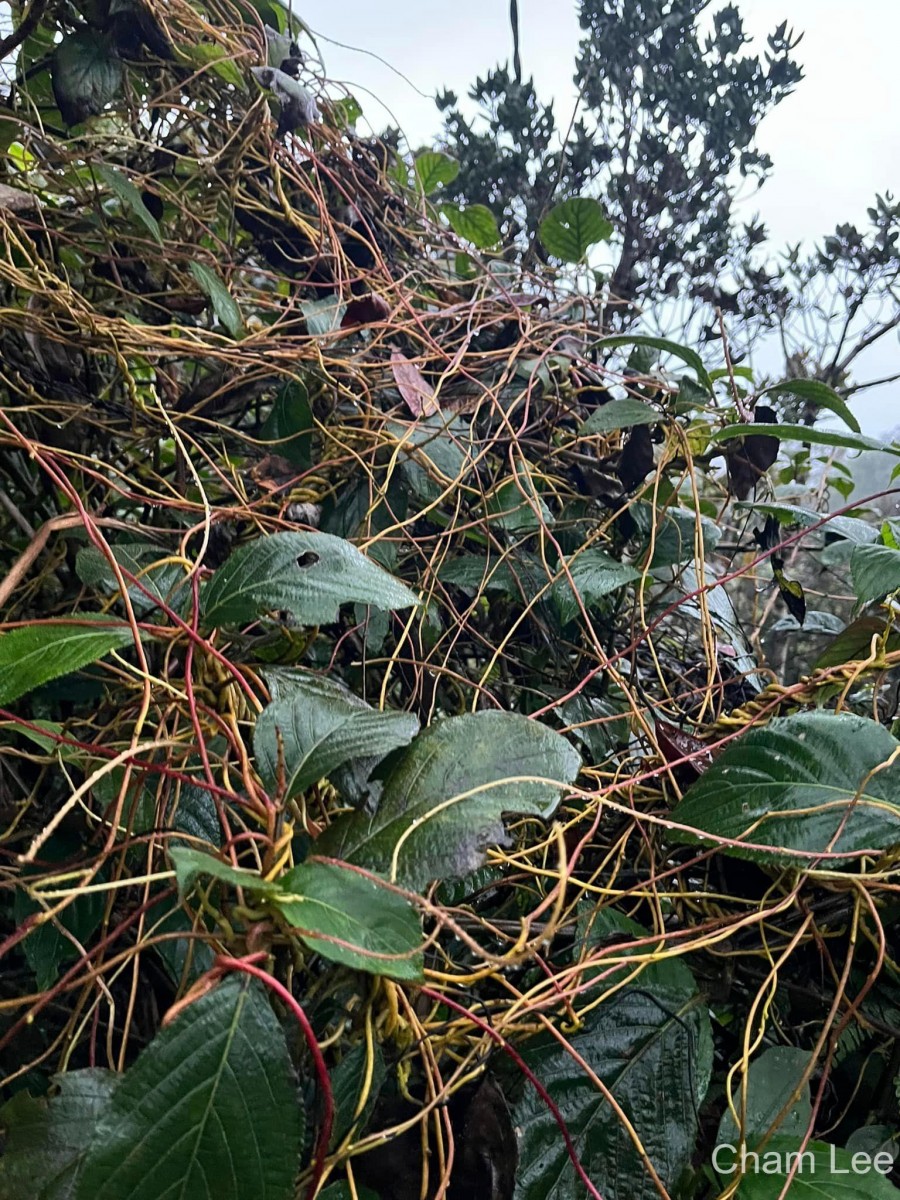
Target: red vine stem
<point x="529" y="1075"/>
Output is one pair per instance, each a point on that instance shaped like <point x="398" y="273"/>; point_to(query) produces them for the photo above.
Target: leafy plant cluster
<point x="397" y="798"/>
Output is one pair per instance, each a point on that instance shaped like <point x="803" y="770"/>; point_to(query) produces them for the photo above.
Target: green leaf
<point x="444" y="801"/>
<point x="819" y="394"/>
<point x="219" y="58"/>
<point x="348" y="1085"/>
<point x="824" y="1173"/>
<point x="803" y="783"/>
<point x="320" y="726"/>
<point x="46" y="1140"/>
<point x="595" y="575"/>
<point x="512" y="505"/>
<point x="476" y="223"/>
<point x="434" y="169"/>
<point x="663" y="344"/>
<point x="851" y="528"/>
<point x="209" y="1109"/>
<point x="802" y="433"/>
<point x="572" y="227"/>
<point x="224" y="304"/>
<point x="619" y="414"/>
<point x="190" y="864"/>
<point x="87" y="75"/>
<point x="855" y="641"/>
<point x="46" y="947"/>
<point x="130" y="197"/>
<point x="138" y="558"/>
<point x="42" y="651"/>
<point x="653" y="1050"/>
<point x="875" y="571"/>
<point x="771" y="1082"/>
<point x="288" y="427"/>
<point x="381" y="929"/>
<point x="307" y="574"/>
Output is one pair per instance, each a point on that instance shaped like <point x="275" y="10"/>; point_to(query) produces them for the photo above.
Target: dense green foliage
<point x="422" y="769"/>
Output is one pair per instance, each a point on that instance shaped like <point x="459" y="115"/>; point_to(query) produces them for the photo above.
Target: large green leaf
<point x="37" y="653"/>
<point x="320" y="726"/>
<point x="665" y="346"/>
<point x="802" y="433"/>
<point x="476" y="223"/>
<point x="87" y="74"/>
<point x="817" y="393"/>
<point x="444" y="801"/>
<point x="224" y="304"/>
<point x="824" y="1173"/>
<point x="771" y="1082"/>
<point x="620" y="414"/>
<point x="352" y="920"/>
<point x="307" y="574"/>
<point x="594" y="575"/>
<point x="46" y="1140"/>
<point x="573" y="226"/>
<point x="433" y="169"/>
<point x="803" y="783"/>
<point x="653" y="1050"/>
<point x="875" y="571"/>
<point x="209" y="1109"/>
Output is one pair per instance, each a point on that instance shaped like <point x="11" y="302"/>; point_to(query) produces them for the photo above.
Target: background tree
<point x="666" y="136"/>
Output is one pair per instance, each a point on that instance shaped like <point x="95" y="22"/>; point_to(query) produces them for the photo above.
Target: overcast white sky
<point x="835" y="142"/>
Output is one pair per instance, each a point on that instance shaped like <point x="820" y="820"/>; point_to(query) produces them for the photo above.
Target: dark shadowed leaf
<point x="46" y="1140"/>
<point x="288" y="427"/>
<point x="443" y="803"/>
<point x="653" y="1050"/>
<point x="87" y="75"/>
<point x="772" y="1080"/>
<point x="208" y="1110"/>
<point x="806" y="783"/>
<point x="306" y="574"/>
<point x="875" y="571"/>
<point x="791" y="591"/>
<point x="855" y="642"/>
<point x="365" y="310"/>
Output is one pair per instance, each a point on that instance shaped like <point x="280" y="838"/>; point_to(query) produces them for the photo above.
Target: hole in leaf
<point x="308" y="559"/>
